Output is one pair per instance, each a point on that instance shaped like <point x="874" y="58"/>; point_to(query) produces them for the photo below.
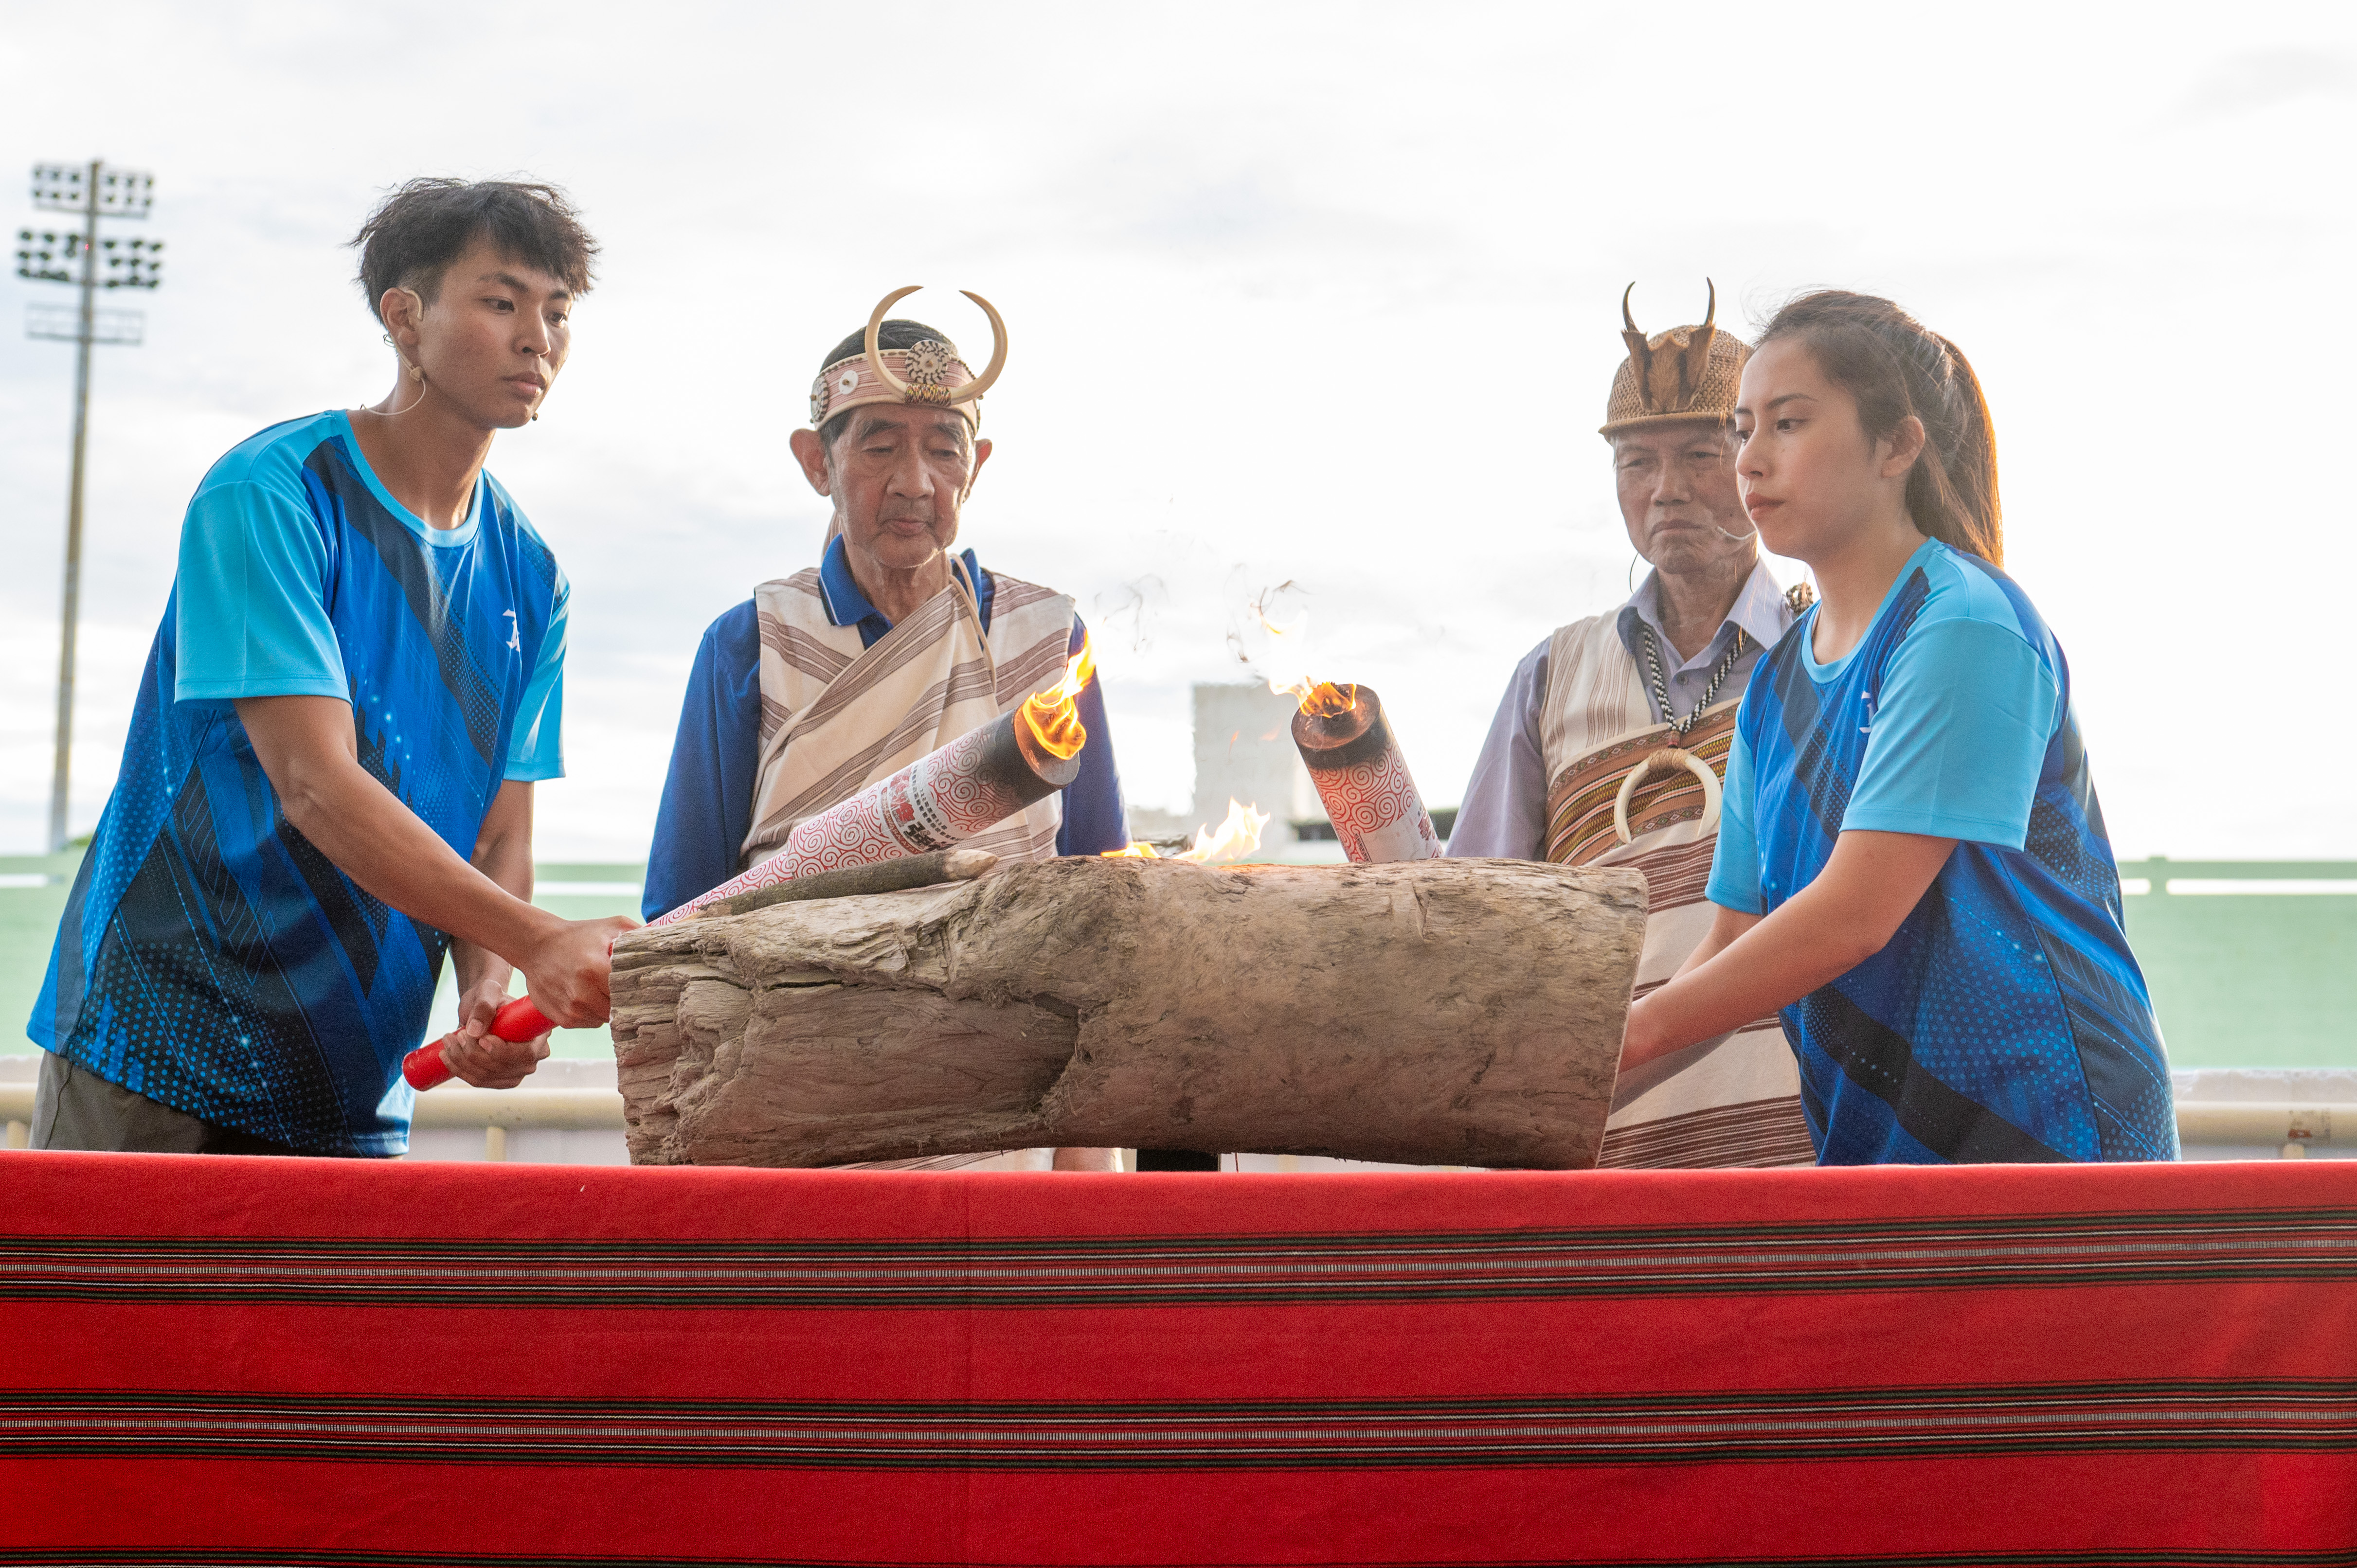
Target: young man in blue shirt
<point x="328" y="779"/>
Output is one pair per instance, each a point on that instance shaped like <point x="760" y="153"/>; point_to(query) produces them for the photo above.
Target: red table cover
<point x="232" y="1361"/>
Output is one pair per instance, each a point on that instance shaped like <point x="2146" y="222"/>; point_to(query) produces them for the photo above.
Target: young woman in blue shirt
<point x="1913" y="867"/>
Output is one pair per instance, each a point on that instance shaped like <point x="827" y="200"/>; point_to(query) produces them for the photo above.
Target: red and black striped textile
<point x="225" y="1361"/>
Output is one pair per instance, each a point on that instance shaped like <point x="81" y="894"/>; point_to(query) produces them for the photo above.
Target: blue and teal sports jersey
<point x="211" y="957"/>
<point x="2007" y="1019"/>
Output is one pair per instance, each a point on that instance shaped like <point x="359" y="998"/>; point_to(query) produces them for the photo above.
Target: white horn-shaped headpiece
<point x="966" y="393"/>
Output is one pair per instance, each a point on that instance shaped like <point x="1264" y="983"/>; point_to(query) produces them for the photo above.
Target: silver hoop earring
<point x="1631" y="578"/>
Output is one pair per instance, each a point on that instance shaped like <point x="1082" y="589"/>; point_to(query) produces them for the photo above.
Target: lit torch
<point x="1360" y="774"/>
<point x="1052" y="719"/>
<point x="943" y="799"/>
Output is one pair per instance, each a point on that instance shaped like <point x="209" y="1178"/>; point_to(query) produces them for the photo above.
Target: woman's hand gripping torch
<point x="518" y="1020"/>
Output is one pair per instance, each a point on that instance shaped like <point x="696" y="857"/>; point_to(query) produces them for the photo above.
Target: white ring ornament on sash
<point x="1668" y="756"/>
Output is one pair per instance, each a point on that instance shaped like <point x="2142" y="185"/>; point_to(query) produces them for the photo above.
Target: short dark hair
<point x="893" y="334"/>
<point x="415" y="234"/>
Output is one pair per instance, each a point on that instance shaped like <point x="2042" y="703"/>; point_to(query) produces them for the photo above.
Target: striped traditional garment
<point x="837" y="716"/>
<point x="1732" y="1101"/>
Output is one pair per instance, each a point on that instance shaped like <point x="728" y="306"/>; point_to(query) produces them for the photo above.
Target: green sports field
<point x="2252" y="963"/>
<point x="2260" y="971"/>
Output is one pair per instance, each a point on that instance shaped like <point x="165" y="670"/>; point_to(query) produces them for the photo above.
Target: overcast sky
<point x="1318" y="293"/>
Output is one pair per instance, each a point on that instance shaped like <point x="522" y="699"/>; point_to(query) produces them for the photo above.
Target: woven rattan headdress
<point x="930" y="372"/>
<point x="1687" y="372"/>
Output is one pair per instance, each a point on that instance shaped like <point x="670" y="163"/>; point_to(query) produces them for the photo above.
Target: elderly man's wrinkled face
<point x="1678" y="495"/>
<point x="898" y="477"/>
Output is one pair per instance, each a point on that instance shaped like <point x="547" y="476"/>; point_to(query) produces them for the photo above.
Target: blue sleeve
<point x="252" y="599"/>
<point x="707" y="799"/>
<point x="1095" y="820"/>
<point x="536" y="749"/>
<point x="1960" y="734"/>
<point x="1735" y="862"/>
<point x="1504" y="809"/>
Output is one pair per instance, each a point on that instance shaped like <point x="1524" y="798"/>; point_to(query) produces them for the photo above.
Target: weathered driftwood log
<point x="1434" y="1011"/>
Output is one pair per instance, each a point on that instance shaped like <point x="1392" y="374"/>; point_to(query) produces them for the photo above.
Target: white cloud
<point x="2266" y="79"/>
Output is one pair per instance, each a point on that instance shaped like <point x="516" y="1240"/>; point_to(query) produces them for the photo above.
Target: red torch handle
<point x="518" y="1020"/>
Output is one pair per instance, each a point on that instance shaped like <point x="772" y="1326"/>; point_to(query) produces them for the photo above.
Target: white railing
<point x="569" y="1113"/>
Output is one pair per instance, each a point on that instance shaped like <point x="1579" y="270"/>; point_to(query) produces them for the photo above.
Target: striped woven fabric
<point x="1579" y="802"/>
<point x="226" y="1361"/>
<point x="1732" y="1102"/>
<point x="1752" y="1133"/>
<point x="838" y="716"/>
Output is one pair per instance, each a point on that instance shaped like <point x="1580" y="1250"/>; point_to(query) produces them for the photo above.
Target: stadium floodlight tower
<point x="94" y="191"/>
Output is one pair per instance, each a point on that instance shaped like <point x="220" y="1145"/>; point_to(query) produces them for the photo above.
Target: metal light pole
<point x="42" y="256"/>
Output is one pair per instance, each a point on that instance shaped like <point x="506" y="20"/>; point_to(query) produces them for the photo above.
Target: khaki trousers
<point x="74" y="1108"/>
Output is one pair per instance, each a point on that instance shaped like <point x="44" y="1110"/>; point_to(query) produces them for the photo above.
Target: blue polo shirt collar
<point x="847" y="605"/>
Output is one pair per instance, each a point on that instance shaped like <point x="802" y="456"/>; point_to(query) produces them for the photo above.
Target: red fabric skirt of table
<point x="235" y="1362"/>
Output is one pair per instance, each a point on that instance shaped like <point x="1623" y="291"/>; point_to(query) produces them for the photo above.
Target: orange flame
<point x="1237" y="837"/>
<point x="1326" y="700"/>
<point x="1054" y="716"/>
<point x="1319" y="698"/>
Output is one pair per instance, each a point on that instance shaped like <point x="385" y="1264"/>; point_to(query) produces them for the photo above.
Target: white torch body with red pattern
<point x="938" y="801"/>
<point x="1362" y="777"/>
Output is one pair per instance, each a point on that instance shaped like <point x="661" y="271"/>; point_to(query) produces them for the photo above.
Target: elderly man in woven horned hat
<point x="894" y="645"/>
<point x="1609" y="745"/>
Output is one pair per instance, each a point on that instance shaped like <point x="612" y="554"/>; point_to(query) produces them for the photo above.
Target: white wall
<point x="1244" y="751"/>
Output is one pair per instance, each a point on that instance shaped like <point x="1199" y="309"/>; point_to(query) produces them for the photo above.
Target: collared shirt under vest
<point x="1590" y="720"/>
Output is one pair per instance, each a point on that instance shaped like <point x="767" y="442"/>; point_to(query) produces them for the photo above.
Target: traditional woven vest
<point x="836" y="717"/>
<point x="1732" y="1101"/>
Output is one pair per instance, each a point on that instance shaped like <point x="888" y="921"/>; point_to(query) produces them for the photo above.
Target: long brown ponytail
<point x="1895" y="366"/>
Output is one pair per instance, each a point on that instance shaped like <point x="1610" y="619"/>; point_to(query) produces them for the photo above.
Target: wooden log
<point x="1436" y="1011"/>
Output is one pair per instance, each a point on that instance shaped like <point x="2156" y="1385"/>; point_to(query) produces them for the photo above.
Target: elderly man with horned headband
<point x="1613" y="736"/>
<point x="894" y="645"/>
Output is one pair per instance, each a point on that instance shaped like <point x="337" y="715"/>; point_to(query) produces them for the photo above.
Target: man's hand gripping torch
<point x="518" y="1020"/>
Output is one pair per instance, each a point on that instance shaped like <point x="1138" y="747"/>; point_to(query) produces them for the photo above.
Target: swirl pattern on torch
<point x="938" y="801"/>
<point x="1376" y="810"/>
